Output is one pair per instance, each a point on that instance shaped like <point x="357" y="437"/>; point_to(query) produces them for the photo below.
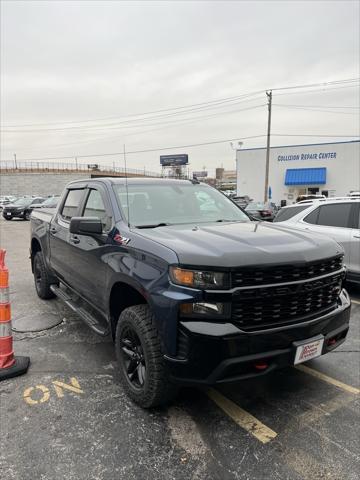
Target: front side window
<point x="95" y="208"/>
<point x="71" y="204"/>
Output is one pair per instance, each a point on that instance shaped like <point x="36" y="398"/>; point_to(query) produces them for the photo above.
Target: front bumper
<point x="211" y="353"/>
<point x="13" y="214"/>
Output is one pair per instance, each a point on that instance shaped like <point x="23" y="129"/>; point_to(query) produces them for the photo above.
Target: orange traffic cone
<point x="10" y="366"/>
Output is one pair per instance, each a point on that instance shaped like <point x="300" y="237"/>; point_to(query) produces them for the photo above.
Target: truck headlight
<point x="202" y="308"/>
<point x="200" y="278"/>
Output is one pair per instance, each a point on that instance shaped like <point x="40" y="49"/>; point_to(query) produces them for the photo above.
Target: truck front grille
<point x="251" y="276"/>
<point x="269" y="307"/>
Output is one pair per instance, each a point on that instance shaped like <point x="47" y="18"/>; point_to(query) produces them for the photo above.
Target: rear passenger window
<point x="95" y="208"/>
<point x="335" y="215"/>
<point x="287" y="213"/>
<point x="72" y="203"/>
<point x="312" y="217"/>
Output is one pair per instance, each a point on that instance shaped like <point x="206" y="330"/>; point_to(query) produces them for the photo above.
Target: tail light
<point x="265" y="213"/>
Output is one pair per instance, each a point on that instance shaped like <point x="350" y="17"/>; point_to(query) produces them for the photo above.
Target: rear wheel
<point x="142" y="368"/>
<point x="41" y="278"/>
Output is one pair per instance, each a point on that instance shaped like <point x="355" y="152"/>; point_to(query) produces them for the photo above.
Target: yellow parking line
<point x="355" y="301"/>
<point x="326" y="378"/>
<point x="242" y="418"/>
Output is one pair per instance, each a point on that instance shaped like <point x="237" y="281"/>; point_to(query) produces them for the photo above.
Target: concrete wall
<point x="36" y="183"/>
<point x="342" y="162"/>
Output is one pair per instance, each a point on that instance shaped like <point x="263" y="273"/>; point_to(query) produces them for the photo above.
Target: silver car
<point x="338" y="219"/>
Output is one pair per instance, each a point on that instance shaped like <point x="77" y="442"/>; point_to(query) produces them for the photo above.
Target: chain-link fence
<point x="93" y="168"/>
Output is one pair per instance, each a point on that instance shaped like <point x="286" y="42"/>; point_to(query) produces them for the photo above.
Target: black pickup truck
<point x="190" y="289"/>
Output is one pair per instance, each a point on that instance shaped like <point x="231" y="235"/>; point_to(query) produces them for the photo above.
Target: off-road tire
<point x="41" y="278"/>
<point x="157" y="389"/>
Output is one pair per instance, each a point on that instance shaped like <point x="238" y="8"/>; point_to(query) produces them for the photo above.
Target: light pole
<point x="237" y="147"/>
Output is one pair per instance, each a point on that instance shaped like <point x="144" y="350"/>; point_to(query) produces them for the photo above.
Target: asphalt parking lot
<point x="69" y="418"/>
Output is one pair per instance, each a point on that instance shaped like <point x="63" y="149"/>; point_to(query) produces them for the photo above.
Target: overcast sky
<point x="71" y="61"/>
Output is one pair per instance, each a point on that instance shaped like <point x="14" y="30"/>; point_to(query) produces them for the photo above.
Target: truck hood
<point x="242" y="244"/>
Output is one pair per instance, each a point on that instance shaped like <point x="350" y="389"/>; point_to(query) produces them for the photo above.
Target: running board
<point x="89" y="319"/>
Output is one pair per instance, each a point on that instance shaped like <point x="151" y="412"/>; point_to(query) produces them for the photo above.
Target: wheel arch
<point x="35" y="247"/>
<point x="123" y="295"/>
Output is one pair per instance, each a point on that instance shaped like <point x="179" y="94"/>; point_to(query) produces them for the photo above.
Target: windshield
<point x="255" y="206"/>
<point x="52" y="201"/>
<point x="154" y="204"/>
<point x="23" y="201"/>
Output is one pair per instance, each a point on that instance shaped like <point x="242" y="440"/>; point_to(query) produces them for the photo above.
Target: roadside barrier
<point x="10" y="366"/>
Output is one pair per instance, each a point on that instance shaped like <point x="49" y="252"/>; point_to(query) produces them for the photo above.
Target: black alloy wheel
<point x="41" y="277"/>
<point x="143" y="372"/>
<point x="37" y="273"/>
<point x="133" y="358"/>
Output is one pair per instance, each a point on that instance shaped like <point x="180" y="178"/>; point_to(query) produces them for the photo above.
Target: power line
<point x="209" y="103"/>
<point x="310" y="109"/>
<point x="143" y="151"/>
<point x="313" y="135"/>
<point x="317" y="90"/>
<point x="177" y="123"/>
<point x="174" y="110"/>
<point x="321" y="84"/>
<point x="117" y="126"/>
<point x="315" y="106"/>
<point x="187" y="146"/>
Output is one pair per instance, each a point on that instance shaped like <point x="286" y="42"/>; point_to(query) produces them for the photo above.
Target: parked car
<point x="338" y="219"/>
<point x="6" y="200"/>
<point x="190" y="290"/>
<point x="50" y="202"/>
<point x="241" y="200"/>
<point x="261" y="210"/>
<point x="19" y="208"/>
<point x="309" y="197"/>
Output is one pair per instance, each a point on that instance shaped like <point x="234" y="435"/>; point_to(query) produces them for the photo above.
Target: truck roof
<point x="133" y="181"/>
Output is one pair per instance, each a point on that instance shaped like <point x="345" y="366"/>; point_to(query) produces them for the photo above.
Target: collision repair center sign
<point x="306" y="156"/>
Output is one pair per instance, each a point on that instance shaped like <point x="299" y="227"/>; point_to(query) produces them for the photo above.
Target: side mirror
<point x="86" y="225"/>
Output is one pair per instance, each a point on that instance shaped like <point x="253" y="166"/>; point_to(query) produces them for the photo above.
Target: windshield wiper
<point x="155" y="225"/>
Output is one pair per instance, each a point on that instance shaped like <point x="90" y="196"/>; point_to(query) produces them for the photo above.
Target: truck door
<point x="61" y="251"/>
<point x="88" y="252"/>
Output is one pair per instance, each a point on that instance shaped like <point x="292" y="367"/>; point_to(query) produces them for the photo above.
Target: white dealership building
<point x="332" y="169"/>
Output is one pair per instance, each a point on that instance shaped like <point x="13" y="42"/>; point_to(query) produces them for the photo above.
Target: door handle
<point x="53" y="230"/>
<point x="74" y="239"/>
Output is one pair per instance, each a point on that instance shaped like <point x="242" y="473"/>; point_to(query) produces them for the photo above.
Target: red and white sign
<point x="307" y="351"/>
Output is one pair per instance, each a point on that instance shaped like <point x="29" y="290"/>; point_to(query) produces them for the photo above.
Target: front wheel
<point x="41" y="278"/>
<point x="27" y="215"/>
<point x="8" y="218"/>
<point x="143" y="371"/>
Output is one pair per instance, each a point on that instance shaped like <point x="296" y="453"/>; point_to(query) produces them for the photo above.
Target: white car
<point x="338" y="219"/>
<point x="5" y="200"/>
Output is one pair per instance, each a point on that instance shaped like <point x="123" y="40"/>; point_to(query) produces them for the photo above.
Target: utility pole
<point x="76" y="163"/>
<point x="266" y="192"/>
<point x="15" y="161"/>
